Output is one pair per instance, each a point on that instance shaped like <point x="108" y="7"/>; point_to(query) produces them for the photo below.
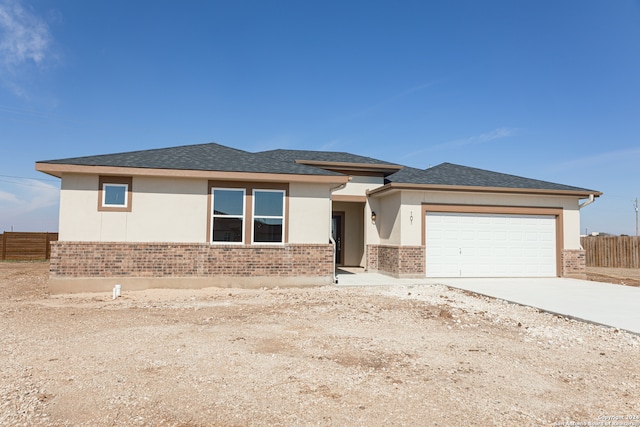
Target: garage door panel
<point x="490" y="245"/>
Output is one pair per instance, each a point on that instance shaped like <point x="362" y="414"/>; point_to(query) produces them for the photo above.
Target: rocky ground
<point x="419" y="355"/>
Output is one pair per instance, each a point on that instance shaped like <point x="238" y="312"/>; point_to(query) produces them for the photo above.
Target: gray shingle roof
<point x="207" y="157"/>
<point x="320" y="156"/>
<point x="457" y="175"/>
<point x="216" y="157"/>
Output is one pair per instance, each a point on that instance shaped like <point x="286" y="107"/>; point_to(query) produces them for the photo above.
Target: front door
<point x="337" y="233"/>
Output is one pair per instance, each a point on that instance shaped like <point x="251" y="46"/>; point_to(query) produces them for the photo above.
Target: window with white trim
<point x="268" y="216"/>
<point x="227" y="219"/>
<point x="114" y="195"/>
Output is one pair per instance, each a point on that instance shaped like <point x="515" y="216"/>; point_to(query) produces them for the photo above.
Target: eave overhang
<point x="58" y="169"/>
<point x="355" y="167"/>
<point x="395" y="187"/>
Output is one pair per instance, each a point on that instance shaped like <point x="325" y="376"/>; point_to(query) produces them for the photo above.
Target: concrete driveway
<point x="617" y="306"/>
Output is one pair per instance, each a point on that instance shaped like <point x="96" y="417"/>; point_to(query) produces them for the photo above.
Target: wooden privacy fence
<point x="611" y="251"/>
<point x="18" y="246"/>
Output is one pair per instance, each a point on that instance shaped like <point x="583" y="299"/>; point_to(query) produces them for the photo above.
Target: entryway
<point x="337" y="233"/>
<point x="347" y="230"/>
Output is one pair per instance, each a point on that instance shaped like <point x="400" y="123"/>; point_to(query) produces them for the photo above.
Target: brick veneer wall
<point x="113" y="259"/>
<point x="410" y="260"/>
<point x="372" y="258"/>
<point x="399" y="261"/>
<point x="574" y="263"/>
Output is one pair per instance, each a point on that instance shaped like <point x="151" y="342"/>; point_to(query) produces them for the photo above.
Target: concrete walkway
<point x="617" y="306"/>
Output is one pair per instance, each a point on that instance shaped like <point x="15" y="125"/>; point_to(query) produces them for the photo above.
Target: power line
<point x="28" y="185"/>
<point x="27" y="177"/>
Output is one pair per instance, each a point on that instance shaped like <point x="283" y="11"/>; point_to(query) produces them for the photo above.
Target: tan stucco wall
<point x="358" y="185"/>
<point x="175" y="210"/>
<point x="397" y="228"/>
<point x="371" y="229"/>
<point x="388" y="219"/>
<point x="309" y="213"/>
<point x="163" y="210"/>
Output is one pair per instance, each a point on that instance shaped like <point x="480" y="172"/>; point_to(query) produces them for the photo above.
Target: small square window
<point x="114" y="195"/>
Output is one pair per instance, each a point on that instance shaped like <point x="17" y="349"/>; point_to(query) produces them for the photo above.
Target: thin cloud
<point x="610" y="157"/>
<point x="380" y="104"/>
<point x="24" y="36"/>
<point x="25" y="40"/>
<point x="498" y="133"/>
<point x="417" y="89"/>
<point x="7" y="197"/>
<point x="33" y="195"/>
<point x="330" y="146"/>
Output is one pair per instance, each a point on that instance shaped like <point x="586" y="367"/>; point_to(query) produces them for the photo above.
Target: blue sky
<point x="545" y="89"/>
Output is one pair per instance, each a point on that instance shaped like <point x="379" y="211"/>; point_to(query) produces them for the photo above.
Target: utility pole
<point x="636" y="207"/>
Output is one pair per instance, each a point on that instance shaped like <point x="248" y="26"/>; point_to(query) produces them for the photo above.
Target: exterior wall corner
<point x="396" y="261"/>
<point x="574" y="264"/>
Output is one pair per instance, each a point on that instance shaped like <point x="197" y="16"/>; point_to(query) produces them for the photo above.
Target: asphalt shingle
<point x="216" y="157"/>
<point x="457" y="175"/>
<point x="320" y="156"/>
<point x="207" y="157"/>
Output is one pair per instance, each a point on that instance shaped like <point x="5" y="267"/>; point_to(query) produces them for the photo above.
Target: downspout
<point x="592" y="198"/>
<point x="333" y="242"/>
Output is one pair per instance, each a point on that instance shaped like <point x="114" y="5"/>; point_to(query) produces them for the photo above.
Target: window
<point x="268" y="216"/>
<point x="246" y="212"/>
<point x="228" y="215"/>
<point x="115" y="193"/>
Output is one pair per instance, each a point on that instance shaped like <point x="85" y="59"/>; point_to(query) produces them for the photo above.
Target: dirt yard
<point x="410" y="356"/>
<point x="619" y="276"/>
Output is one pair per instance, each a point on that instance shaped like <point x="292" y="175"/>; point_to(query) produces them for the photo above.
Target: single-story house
<point x="210" y="215"/>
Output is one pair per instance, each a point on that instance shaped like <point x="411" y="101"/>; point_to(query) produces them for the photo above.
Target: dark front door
<point x="337" y="232"/>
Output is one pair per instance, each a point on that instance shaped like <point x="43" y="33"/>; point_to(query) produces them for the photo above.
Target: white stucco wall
<point x="79" y="219"/>
<point x="396" y="228"/>
<point x="163" y="210"/>
<point x="175" y="210"/>
<point x="388" y="219"/>
<point x="309" y="213"/>
<point x="358" y="185"/>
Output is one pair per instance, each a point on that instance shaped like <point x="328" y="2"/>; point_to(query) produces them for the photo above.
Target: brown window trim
<point x="105" y="179"/>
<point x="248" y="206"/>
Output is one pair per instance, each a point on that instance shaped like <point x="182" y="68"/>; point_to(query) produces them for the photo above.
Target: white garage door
<point x="490" y="245"/>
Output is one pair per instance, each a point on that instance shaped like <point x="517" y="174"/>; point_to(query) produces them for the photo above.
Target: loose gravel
<point x="404" y="355"/>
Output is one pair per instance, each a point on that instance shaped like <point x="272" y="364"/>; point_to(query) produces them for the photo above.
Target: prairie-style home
<point x="209" y="215"/>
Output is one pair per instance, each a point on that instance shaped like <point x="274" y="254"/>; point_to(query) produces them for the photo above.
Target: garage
<point x="490" y="245"/>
